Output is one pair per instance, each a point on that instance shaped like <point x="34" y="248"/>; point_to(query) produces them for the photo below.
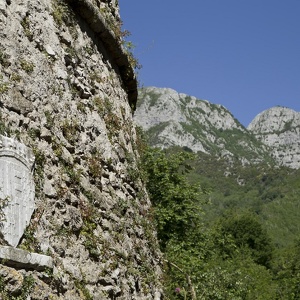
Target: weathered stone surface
<point x="24" y="259"/>
<point x="12" y="279"/>
<point x="20" y="104"/>
<point x="3" y="7"/>
<point x="16" y="187"/>
<point x="79" y="124"/>
<point x="50" y="51"/>
<point x="90" y="10"/>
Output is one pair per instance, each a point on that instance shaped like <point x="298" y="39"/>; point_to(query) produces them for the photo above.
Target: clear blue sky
<point x="243" y="54"/>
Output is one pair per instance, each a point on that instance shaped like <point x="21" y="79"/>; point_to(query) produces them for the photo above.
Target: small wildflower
<point x="177" y="290"/>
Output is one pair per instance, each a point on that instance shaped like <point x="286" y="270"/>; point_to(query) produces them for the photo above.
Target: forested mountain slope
<point x="226" y="232"/>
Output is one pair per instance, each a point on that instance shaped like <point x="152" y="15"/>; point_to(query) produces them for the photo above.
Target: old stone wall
<point x="67" y="89"/>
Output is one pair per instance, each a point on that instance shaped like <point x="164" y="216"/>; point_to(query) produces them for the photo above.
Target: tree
<point x="286" y="268"/>
<point x="249" y="236"/>
<point x="178" y="214"/>
<point x="177" y="204"/>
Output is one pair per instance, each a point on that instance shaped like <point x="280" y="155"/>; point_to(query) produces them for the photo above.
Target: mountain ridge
<point x="170" y="119"/>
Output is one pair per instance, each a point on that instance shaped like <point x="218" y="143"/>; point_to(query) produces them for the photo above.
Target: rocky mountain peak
<point x="279" y="128"/>
<point x="160" y="105"/>
<point x="175" y="119"/>
<point x="275" y="119"/>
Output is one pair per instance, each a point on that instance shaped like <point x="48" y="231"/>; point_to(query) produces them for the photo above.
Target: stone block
<point x="23" y="259"/>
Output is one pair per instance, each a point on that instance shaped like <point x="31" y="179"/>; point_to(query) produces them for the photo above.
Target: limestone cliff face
<point x="66" y="92"/>
<point x="279" y="128"/>
<point x="174" y="119"/>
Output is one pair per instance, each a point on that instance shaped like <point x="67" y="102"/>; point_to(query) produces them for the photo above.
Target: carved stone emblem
<point x="16" y="189"/>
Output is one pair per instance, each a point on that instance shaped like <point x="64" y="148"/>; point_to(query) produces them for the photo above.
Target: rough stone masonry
<point x="67" y="90"/>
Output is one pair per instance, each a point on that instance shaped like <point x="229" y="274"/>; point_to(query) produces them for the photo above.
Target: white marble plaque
<point x="17" y="186"/>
